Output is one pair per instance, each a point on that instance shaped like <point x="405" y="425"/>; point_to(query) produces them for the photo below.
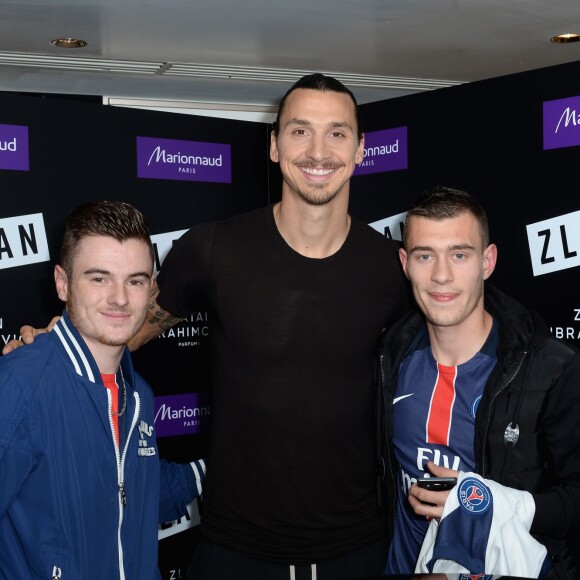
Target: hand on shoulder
<point x="27" y="335"/>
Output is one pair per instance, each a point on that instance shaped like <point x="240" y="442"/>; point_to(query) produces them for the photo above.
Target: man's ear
<point x="274" y="147"/>
<point x="360" y="151"/>
<point x="61" y="282"/>
<point x="403" y="257"/>
<point x="489" y="260"/>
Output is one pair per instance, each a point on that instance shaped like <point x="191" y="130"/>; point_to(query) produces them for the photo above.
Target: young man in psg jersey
<point x="474" y="382"/>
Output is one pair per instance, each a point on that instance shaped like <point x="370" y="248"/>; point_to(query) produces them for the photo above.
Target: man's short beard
<point x="108" y="342"/>
<point x="318" y="201"/>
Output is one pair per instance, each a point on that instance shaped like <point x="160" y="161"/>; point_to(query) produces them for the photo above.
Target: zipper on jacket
<point x="56" y="573"/>
<point x="123" y="494"/>
<point x="518" y="366"/>
<point x="121" y="472"/>
<point x="120" y="482"/>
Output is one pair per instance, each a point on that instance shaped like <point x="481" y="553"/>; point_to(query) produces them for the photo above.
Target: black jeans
<point x="214" y="562"/>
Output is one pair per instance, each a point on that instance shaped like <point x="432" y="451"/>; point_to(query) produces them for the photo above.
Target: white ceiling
<point x="248" y="52"/>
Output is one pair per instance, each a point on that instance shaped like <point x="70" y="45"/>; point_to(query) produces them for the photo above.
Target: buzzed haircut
<point x="441" y="203"/>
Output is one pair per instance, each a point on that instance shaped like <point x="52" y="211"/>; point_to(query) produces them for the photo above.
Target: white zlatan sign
<point x="392" y="226"/>
<point x="23" y="241"/>
<point x="555" y="243"/>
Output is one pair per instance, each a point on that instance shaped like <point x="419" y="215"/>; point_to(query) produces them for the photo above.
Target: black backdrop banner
<point x="513" y="142"/>
<point x="56" y="153"/>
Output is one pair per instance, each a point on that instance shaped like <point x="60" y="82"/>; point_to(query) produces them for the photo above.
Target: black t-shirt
<point x="291" y="472"/>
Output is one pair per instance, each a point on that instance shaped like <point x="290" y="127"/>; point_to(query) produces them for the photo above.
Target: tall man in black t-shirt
<point x="301" y="291"/>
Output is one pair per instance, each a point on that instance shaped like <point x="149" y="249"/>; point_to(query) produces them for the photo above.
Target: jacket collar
<point x="519" y="328"/>
<point x="79" y="355"/>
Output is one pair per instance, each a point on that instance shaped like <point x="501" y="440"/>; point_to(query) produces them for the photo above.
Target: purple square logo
<point x="14" y="147"/>
<point x="181" y="414"/>
<point x="183" y="160"/>
<point x="384" y="151"/>
<point x="562" y="123"/>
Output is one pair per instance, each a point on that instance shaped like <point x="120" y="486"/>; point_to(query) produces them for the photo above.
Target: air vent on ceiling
<point x="81" y="64"/>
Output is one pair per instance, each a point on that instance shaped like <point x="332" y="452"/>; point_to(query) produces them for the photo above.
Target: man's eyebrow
<point x="96" y="271"/>
<point x="307" y="123"/>
<point x="296" y="121"/>
<point x="431" y="249"/>
<point x="339" y="124"/>
<point x="104" y="272"/>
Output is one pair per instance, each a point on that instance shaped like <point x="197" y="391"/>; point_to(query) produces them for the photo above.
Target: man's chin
<point x="318" y="198"/>
<point x="442" y="322"/>
<point x="115" y="340"/>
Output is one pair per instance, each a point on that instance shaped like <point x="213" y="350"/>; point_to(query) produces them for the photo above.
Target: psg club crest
<point x="474" y="496"/>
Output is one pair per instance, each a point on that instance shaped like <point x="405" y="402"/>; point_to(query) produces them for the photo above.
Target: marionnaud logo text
<point x="562" y="123"/>
<point x="181" y="414"/>
<point x="384" y="151"/>
<point x="14" y="147"/>
<point x="183" y="160"/>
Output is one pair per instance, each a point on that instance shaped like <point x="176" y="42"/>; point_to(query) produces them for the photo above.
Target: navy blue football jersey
<point x="433" y="420"/>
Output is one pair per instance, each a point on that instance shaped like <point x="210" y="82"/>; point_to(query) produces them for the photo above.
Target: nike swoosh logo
<point x="397" y="399"/>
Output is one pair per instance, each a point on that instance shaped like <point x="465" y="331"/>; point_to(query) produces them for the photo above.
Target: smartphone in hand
<point x="437" y="483"/>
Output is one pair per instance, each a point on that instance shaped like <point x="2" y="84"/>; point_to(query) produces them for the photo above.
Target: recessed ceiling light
<point x="68" y="42"/>
<point x="572" y="37"/>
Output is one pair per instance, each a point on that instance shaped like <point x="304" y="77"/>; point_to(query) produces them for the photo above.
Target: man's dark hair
<point x="318" y="82"/>
<point x="445" y="202"/>
<point x="114" y="219"/>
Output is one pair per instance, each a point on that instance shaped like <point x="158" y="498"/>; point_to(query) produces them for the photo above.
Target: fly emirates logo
<point x="425" y="454"/>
